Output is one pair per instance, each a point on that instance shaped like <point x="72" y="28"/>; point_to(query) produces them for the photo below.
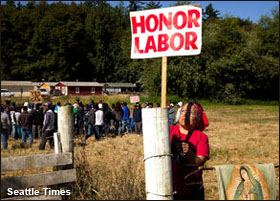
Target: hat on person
<point x="26" y="104"/>
<point x="47" y="104"/>
<point x="180" y="104"/>
<point x="172" y="104"/>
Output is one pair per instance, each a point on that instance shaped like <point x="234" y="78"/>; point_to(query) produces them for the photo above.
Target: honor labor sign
<point x="173" y="31"/>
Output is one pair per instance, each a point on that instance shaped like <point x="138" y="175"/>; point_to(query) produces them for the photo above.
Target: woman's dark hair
<point x="37" y="106"/>
<point x="17" y="109"/>
<point x="118" y="107"/>
<point x="106" y="108"/>
<point x="188" y="113"/>
<point x="113" y="106"/>
<point x="96" y="107"/>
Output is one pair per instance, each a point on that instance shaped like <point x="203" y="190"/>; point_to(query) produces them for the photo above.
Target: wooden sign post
<point x="163" y="82"/>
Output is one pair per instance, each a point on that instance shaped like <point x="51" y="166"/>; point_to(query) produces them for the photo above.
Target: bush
<point x="229" y="95"/>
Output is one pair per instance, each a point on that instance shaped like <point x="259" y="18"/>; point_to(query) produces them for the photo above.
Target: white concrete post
<point x="63" y="139"/>
<point x="157" y="154"/>
<point x="65" y="128"/>
<point x="57" y="143"/>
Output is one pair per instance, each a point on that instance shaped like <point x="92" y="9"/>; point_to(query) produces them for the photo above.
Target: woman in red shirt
<point x="190" y="149"/>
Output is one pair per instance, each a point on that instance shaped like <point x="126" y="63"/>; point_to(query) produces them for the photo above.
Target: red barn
<point x="79" y="88"/>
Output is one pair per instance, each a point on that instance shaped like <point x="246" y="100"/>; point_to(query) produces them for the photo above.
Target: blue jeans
<point x="138" y="127"/>
<point x="106" y="127"/>
<point x="98" y="132"/>
<point x="24" y="133"/>
<point x="126" y="125"/>
<point x="118" y="127"/>
<point x="90" y="130"/>
<point x="18" y="129"/>
<point x="4" y="138"/>
<point x="86" y="127"/>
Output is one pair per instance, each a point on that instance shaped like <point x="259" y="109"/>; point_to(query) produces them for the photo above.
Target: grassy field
<point x="113" y="168"/>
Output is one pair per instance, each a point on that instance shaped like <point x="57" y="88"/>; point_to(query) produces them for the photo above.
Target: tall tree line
<point x="90" y="41"/>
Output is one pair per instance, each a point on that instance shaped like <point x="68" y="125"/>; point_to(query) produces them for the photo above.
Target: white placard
<point x="134" y="99"/>
<point x="173" y="31"/>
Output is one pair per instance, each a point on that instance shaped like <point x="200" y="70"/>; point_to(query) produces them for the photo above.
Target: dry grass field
<point x="113" y="168"/>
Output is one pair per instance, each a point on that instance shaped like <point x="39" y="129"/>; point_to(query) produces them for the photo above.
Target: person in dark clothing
<point x="107" y="117"/>
<point x="85" y="118"/>
<point x="5" y="126"/>
<point x="90" y="124"/>
<point x="80" y="115"/>
<point x="48" y="127"/>
<point x="137" y="118"/>
<point x="37" y="123"/>
<point x="91" y="104"/>
<point x="55" y="118"/>
<point x="118" y="113"/>
<point x="25" y="120"/>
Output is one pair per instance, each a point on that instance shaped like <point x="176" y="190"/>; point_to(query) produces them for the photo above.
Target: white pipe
<point x="157" y="154"/>
<point x="65" y="126"/>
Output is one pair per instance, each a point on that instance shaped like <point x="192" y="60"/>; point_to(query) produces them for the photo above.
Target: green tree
<point x="100" y="28"/>
<point x="8" y="38"/>
<point x="210" y="13"/>
<point x="135" y="5"/>
<point x="153" y="5"/>
<point x="181" y="3"/>
<point x="92" y="41"/>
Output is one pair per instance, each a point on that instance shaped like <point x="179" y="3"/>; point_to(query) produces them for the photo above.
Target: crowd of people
<point x="30" y="121"/>
<point x="39" y="121"/>
<point x="189" y="145"/>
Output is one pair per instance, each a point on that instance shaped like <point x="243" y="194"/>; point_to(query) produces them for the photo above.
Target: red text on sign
<point x="188" y="20"/>
<point x="163" y="43"/>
